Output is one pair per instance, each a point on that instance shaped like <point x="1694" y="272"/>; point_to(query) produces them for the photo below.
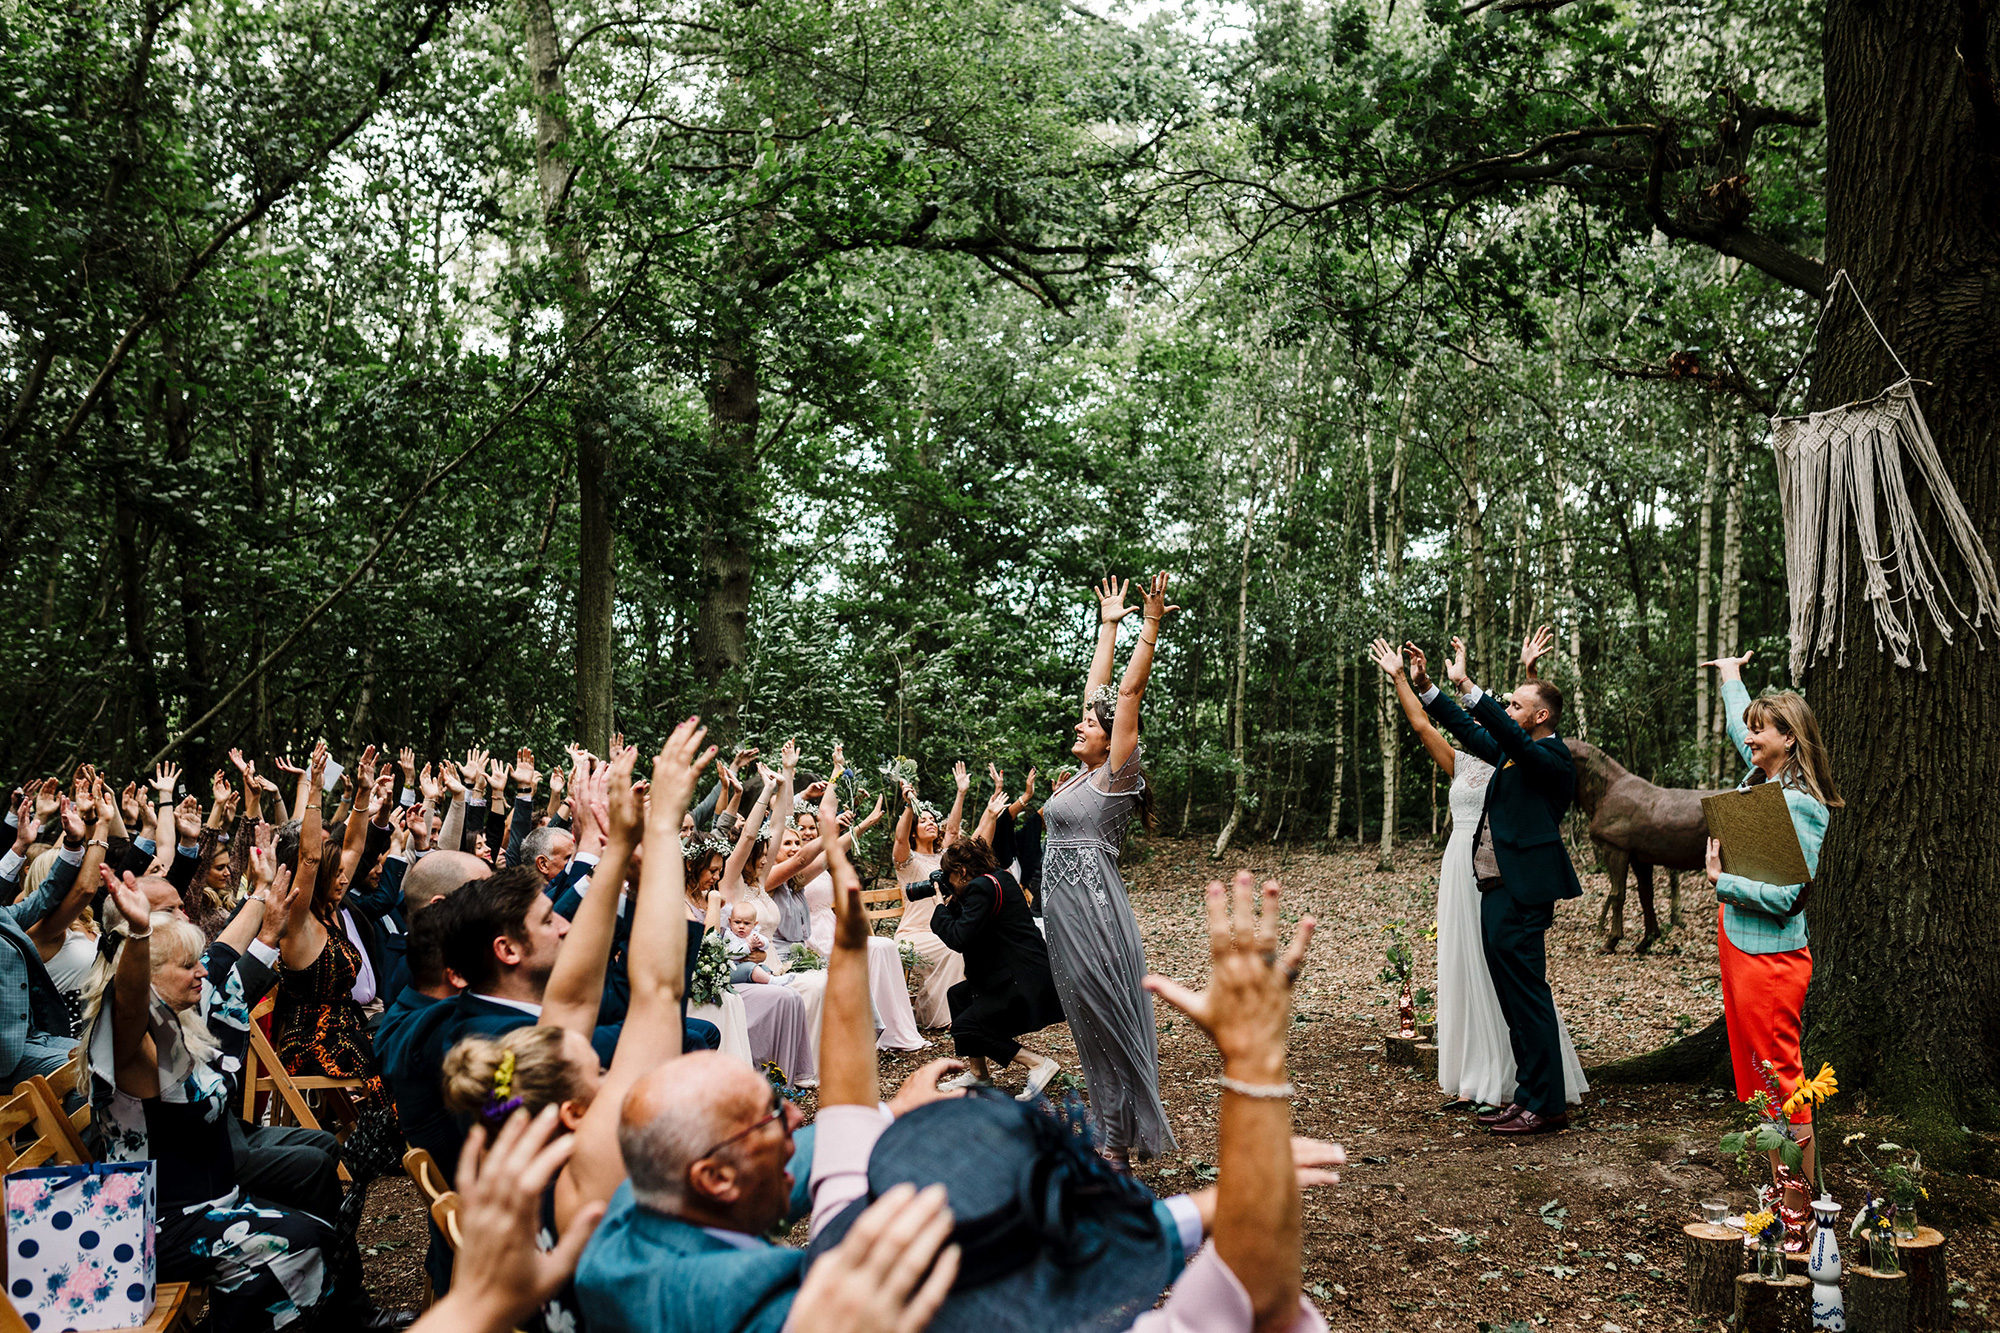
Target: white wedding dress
<point x="1475" y="1058"/>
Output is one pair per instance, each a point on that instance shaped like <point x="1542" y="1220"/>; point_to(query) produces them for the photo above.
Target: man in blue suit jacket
<point x="1522" y="869"/>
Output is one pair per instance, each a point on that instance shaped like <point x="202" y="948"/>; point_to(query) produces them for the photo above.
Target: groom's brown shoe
<point x="1501" y="1116"/>
<point x="1529" y="1123"/>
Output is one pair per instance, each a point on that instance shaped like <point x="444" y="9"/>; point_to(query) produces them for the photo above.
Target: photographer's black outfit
<point x="1007" y="989"/>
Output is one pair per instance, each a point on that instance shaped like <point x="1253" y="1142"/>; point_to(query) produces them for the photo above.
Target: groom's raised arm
<point x="1543" y="762"/>
<point x="1453" y="719"/>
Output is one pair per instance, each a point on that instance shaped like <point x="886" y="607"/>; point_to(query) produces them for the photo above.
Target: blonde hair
<point x="174" y="940"/>
<point x="542" y="1074"/>
<point x="1807" y="766"/>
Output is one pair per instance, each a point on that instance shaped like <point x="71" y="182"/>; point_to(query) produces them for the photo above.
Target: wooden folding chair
<point x="881" y="905"/>
<point x="62" y="1130"/>
<point x="264" y="1072"/>
<point x="444" y="1212"/>
<point x="425" y="1172"/>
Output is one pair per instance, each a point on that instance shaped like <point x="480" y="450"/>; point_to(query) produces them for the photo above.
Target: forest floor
<point x="1437" y="1224"/>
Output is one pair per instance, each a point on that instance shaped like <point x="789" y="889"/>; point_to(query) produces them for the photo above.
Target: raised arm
<point x="1247" y="1012"/>
<point x="1111" y="609"/>
<point x="1125" y="723"/>
<point x="132" y="1059"/>
<point x="953" y="820"/>
<point x="781" y="808"/>
<point x="899" y="849"/>
<point x="1435" y="745"/>
<point x="1735" y="699"/>
<point x="652" y="1032"/>
<point x="1450" y="716"/>
<point x="847" y="1064"/>
<point x="989" y="819"/>
<point x="576" y="983"/>
<point x="1533" y="648"/>
<point x="746" y="838"/>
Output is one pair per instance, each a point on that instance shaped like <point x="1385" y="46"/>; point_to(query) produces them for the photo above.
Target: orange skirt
<point x="1762" y="997"/>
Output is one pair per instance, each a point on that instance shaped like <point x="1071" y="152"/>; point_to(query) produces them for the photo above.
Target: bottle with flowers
<point x="1872" y="1226"/>
<point x="1764" y="1227"/>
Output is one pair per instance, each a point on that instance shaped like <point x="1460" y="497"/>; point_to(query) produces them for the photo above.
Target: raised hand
<point x="768" y="779"/>
<point x="243" y="766"/>
<point x="526" y="777"/>
<point x="1386" y="657"/>
<point x="284" y="894"/>
<point x="219" y="786"/>
<point x="1111" y="606"/>
<point x="1157" y="607"/>
<point x="406" y="759"/>
<point x="504" y="1275"/>
<point x="742" y="756"/>
<point x="960" y="776"/>
<point x="427" y="785"/>
<point x="1247" y="1008"/>
<point x="165" y="778"/>
<point x="364" y="768"/>
<point x="1534" y="646"/>
<point x="496" y="780"/>
<point x="72" y="819"/>
<point x="788" y="757"/>
<point x="130" y="900"/>
<point x="624" y="814"/>
<point x="675" y="769"/>
<point x="449" y="780"/>
<point x="1454" y="670"/>
<point x="1730" y="668"/>
<point x="874" y="1280"/>
<point x="996" y="802"/>
<point x="283" y="763"/>
<point x="187" y="820"/>
<point x="994" y="773"/>
<point x="1420" y="679"/>
<point x="557" y="784"/>
<point x="381" y="797"/>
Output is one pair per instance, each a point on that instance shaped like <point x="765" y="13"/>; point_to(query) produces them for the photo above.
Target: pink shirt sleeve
<point x="1208" y="1299"/>
<point x="845" y="1138"/>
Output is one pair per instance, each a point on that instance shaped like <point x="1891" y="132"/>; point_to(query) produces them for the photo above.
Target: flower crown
<point x="502" y="1102"/>
<point x="1105" y="697"/>
<point x="703" y="843"/>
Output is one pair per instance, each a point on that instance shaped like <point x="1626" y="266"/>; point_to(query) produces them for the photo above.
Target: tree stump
<point x="1400" y="1050"/>
<point x="1427" y="1059"/>
<point x="1765" y="1305"/>
<point x="1923" y="1260"/>
<point x="1713" y="1256"/>
<point x="1877" y="1302"/>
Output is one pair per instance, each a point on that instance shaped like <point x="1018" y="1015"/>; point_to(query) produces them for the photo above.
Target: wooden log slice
<point x="1877" y="1302"/>
<point x="1764" y="1305"/>
<point x="1923" y="1260"/>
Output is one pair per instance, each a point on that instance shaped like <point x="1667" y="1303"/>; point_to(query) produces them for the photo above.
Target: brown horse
<point x="1637" y="825"/>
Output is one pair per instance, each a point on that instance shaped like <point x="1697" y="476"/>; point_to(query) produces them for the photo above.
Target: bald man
<point x="710" y="1147"/>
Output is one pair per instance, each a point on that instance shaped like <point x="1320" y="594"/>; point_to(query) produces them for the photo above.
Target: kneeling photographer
<point x="1007" y="989"/>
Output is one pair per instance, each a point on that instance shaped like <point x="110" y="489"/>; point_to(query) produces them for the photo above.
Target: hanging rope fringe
<point x="1843" y="469"/>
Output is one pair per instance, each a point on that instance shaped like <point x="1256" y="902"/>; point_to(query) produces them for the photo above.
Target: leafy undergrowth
<point x="1437" y="1224"/>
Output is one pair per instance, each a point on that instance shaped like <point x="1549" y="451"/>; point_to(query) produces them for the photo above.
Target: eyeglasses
<point x="777" y="1113"/>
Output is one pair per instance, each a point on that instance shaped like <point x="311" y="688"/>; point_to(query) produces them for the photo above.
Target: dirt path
<point x="1438" y="1225"/>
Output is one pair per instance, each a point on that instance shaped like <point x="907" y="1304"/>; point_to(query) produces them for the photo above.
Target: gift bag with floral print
<point x="80" y="1245"/>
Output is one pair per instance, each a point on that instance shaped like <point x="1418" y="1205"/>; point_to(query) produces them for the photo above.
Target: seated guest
<point x="503" y="942"/>
<point x="1007" y="988"/>
<point x="35" y="1022"/>
<point x="742" y="942"/>
<point x="487" y="1078"/>
<point x="172" y="1048"/>
<point x="319" y="1025"/>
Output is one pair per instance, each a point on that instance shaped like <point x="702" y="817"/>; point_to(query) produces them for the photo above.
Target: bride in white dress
<point x="1475" y="1058"/>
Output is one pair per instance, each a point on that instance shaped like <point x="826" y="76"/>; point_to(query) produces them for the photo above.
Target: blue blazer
<point x="32" y="1012"/>
<point x="646" y="1272"/>
<point x="1525" y="801"/>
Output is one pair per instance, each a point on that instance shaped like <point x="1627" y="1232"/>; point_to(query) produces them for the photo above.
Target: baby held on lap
<point x="744" y="943"/>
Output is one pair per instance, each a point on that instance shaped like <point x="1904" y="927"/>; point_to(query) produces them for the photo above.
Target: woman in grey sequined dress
<point x="1094" y="948"/>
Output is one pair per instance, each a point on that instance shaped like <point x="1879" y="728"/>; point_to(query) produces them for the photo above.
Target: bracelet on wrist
<point x="1267" y="1092"/>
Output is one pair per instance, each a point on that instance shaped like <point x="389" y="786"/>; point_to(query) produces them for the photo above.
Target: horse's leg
<point x="1652" y="931"/>
<point x="1615" y="864"/>
<point x="1673" y="900"/>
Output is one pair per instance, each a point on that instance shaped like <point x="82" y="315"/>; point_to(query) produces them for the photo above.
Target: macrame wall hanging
<point x="1842" y="470"/>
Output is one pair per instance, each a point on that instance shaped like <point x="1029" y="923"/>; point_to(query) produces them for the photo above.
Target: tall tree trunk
<point x="133" y="552"/>
<point x="722" y="616"/>
<point x="596" y="577"/>
<point x="1704" y="609"/>
<point x="1339" y="751"/>
<point x="1237" y="752"/>
<point x="1906" y="993"/>
<point x="1387" y="710"/>
<point x="1729" y="620"/>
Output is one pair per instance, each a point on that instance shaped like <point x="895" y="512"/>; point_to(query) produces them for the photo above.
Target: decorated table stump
<point x="1773" y="1305"/>
<point x="1923" y="1260"/>
<point x="1713" y="1256"/>
<point x="1877" y="1302"/>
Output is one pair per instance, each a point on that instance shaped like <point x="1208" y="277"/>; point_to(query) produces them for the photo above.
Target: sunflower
<point x="1821" y="1085"/>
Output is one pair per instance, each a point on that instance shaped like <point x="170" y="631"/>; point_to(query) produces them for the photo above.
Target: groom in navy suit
<point x="1521" y="866"/>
